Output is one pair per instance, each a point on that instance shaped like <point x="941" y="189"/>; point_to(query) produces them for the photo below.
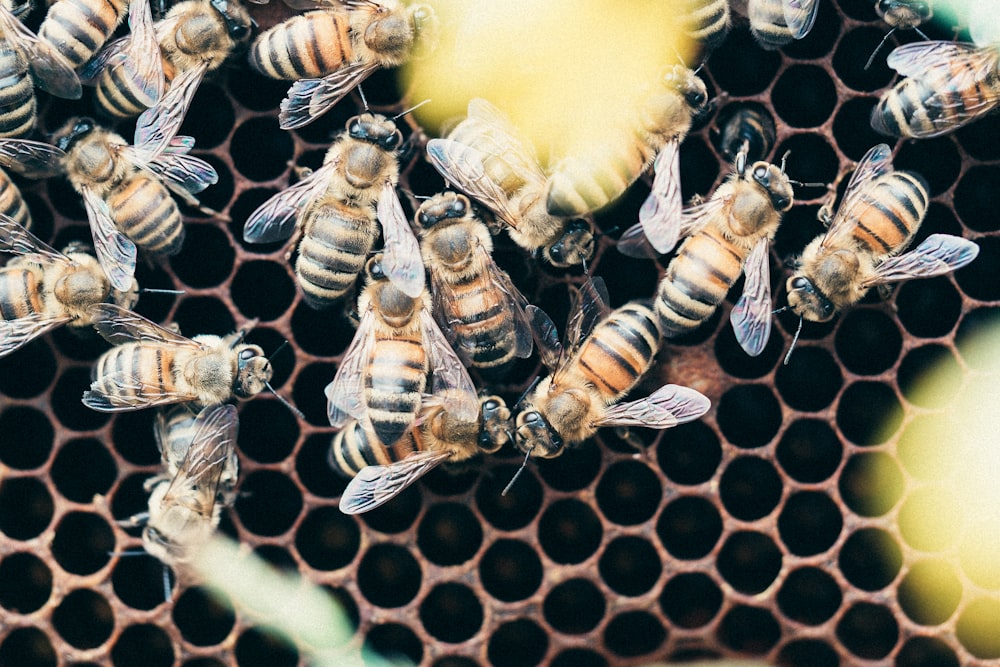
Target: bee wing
<point x="124" y="391"/>
<point x="590" y="307"/>
<point x="958" y="65"/>
<point x="515" y="303"/>
<point x="308" y="99"/>
<point x="504" y="138"/>
<point x="938" y="254"/>
<point x="660" y="214"/>
<point x="159" y="124"/>
<point x="15" y="333"/>
<point x="375" y="485"/>
<point x="751" y="316"/>
<point x="448" y="374"/>
<point x="141" y="60"/>
<point x="119" y="325"/>
<point x="34" y="159"/>
<point x="275" y="219"/>
<point x="546" y="336"/>
<point x="196" y="483"/>
<point x="115" y="252"/>
<point x="49" y="68"/>
<point x="462" y="166"/>
<point x="17" y="240"/>
<point x="800" y="16"/>
<point x="182" y="173"/>
<point x="345" y="395"/>
<point x="668" y="406"/>
<point x="111" y="54"/>
<point x="401" y="256"/>
<point x="876" y="162"/>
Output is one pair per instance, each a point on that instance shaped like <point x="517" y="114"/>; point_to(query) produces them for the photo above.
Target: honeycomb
<point x="767" y="529"/>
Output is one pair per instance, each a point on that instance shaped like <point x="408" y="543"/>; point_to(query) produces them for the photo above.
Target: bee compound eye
<point x="800" y="283"/>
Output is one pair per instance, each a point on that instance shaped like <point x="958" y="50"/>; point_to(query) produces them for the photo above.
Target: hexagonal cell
<point x="629" y="565"/>
<point x="749" y="630"/>
<point x="750" y="488"/>
<point x="25" y="582"/>
<point x="689" y="527"/>
<point x="628" y="493"/>
<point x="84" y="619"/>
<point x="691" y="600"/>
<point x="143" y="644"/>
<point x="749" y="561"/>
<point x="451" y="613"/>
<point x="574" y="607"/>
<point x="569" y="531"/>
<point x="510" y="570"/>
<point x="517" y="642"/>
<point x="868" y="630"/>
<point x="388" y="575"/>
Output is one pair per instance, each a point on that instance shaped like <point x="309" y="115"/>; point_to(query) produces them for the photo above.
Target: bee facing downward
<point x="151" y="365"/>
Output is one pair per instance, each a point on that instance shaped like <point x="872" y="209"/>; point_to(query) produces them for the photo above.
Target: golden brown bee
<point x="775" y="23"/>
<point x="946" y="85"/>
<point x="477" y="306"/>
<point x="199" y="472"/>
<point x="605" y="356"/>
<point x="328" y="52"/>
<point x="748" y="127"/>
<point x="151" y="365"/>
<point x="383" y="374"/>
<point x="194" y="38"/>
<point x="33" y="159"/>
<point x="730" y="234"/>
<point x="707" y="21"/>
<point x="334" y="211"/>
<point x="125" y="191"/>
<point x="380" y="473"/>
<point x="485" y="157"/>
<point x="41" y="289"/>
<point x="881" y="211"/>
<point x="77" y="29"/>
<point x="27" y="61"/>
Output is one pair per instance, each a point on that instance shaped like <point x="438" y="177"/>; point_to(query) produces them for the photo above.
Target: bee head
<point x="574" y="247"/>
<point x="447" y="205"/>
<point x="689" y="86"/>
<point x="239" y="25"/>
<point x="807" y="301"/>
<point x="74" y="130"/>
<point x="495" y="432"/>
<point x="772" y="179"/>
<point x="904" y="14"/>
<point x="253" y="371"/>
<point x="535" y="435"/>
<point x="375" y="129"/>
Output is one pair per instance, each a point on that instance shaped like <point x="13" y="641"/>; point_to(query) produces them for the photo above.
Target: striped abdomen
<point x="155" y="365"/>
<point x="354" y="448"/>
<point x="903" y="110"/>
<point x="146" y="213"/>
<point x="17" y="95"/>
<point x="20" y="293"/>
<point x="12" y="204"/>
<point x="394" y="382"/>
<point x="117" y="96"/>
<point x="767" y="23"/>
<point x="897" y="203"/>
<point x="79" y="28"/>
<point x="334" y="247"/>
<point x="585" y="184"/>
<point x="696" y="281"/>
<point x="482" y="324"/>
<point x="303" y="47"/>
<point x="708" y="21"/>
<point x="619" y="350"/>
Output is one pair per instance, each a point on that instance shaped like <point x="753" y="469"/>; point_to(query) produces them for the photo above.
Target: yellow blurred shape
<point x="565" y="71"/>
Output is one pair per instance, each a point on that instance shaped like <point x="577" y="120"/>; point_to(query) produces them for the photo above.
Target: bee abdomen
<point x="580" y="186"/>
<point x="482" y="325"/>
<point x="394" y="384"/>
<point x="901" y="111"/>
<point x="12" y="204"/>
<point x="897" y="204"/>
<point x="709" y="22"/>
<point x="767" y="24"/>
<point x="20" y="294"/>
<point x="148" y="215"/>
<point x="78" y="28"/>
<point x="355" y="448"/>
<point x="115" y="94"/>
<point x="154" y="365"/>
<point x="17" y="96"/>
<point x="331" y="255"/>
<point x="311" y="45"/>
<point x="620" y="349"/>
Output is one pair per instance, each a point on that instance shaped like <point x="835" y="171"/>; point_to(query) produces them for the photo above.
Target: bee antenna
<point x="413" y="108"/>
<point x="285" y="401"/>
<point x="518" y="473"/>
<point x="795" y="339"/>
<point x="779" y="310"/>
<point x="878" y="48"/>
<point x="921" y="33"/>
<point x="806" y="185"/>
<point x="130" y="552"/>
<point x="242" y="333"/>
<point x="279" y="349"/>
<point x="527" y="391"/>
<point x="363" y="99"/>
<point x="151" y="290"/>
<point x="166" y="583"/>
<point x="783" y="159"/>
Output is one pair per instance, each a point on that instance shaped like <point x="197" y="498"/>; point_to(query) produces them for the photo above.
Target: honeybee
<point x="606" y="355"/>
<point x="334" y="209"/>
<point x="746" y="127"/>
<point x="41" y="289"/>
<point x="485" y="157"/>
<point x="200" y="470"/>
<point x="77" y="29"/>
<point x="946" y="85"/>
<point x="730" y="234"/>
<point x="707" y="21"/>
<point x="380" y="473"/>
<point x="328" y="52"/>
<point x="881" y="211"/>
<point x="33" y="159"/>
<point x="477" y="306"/>
<point x="579" y="185"/>
<point x="383" y="374"/>
<point x="775" y="23"/>
<point x="125" y="191"/>
<point x="194" y="38"/>
<point x="151" y="366"/>
<point x="27" y="61"/>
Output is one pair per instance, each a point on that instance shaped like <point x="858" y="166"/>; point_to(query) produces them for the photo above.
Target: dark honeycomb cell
<point x="809" y="523"/>
<point x="575" y="469"/>
<point x="84" y="619"/>
<point x="981" y="278"/>
<point x="266" y="304"/>
<point x="868" y="630"/>
<point x="808" y="653"/>
<point x="975" y="137"/>
<point x="749" y="415"/>
<point x="257" y="647"/>
<point x="268" y="431"/>
<point x="396" y="515"/>
<point x="919" y="156"/>
<point x="929" y="592"/>
<point x="569" y="531"/>
<point x="83" y="468"/>
<point x="736" y="362"/>
<point x="629" y="565"/>
<point x="930" y="517"/>
<point x="36" y="355"/>
<point x="870" y="559"/>
<point x="83" y="542"/>
<point x="750" y="488"/>
<point x="809" y="450"/>
<point x="388" y="575"/>
<point x="515" y="509"/>
<point x="27" y="439"/>
<point x="853" y="51"/>
<point x="197" y="315"/>
<point x="803" y="96"/>
<point x="307" y="394"/>
<point x="510" y="570"/>
<point x="579" y="657"/>
<point x="210" y="118"/>
<point x="215" y="199"/>
<point x="268" y="502"/>
<point x="929" y="376"/>
<point x="143" y="644"/>
<point x="928" y="308"/>
<point x="206" y="259"/>
<point x="132" y="435"/>
<point x="852" y="129"/>
<point x="327" y="539"/>
<point x="869" y="413"/>
<point x="255" y="91"/>
<point x="811" y="159"/>
<point x="922" y="651"/>
<point x="871" y="483"/>
<point x="66" y="401"/>
<point x="27" y="646"/>
<point x="449" y="534"/>
<point x="867" y="341"/>
<point x="749" y="630"/>
<point x="313" y="470"/>
<point x="691" y="600"/>
<point x="517" y="643"/>
<point x="25" y="582"/>
<point x="689" y="453"/>
<point x="699" y="166"/>
<point x="451" y="613"/>
<point x="574" y="607"/>
<point x="25" y="507"/>
<point x="810" y="380"/>
<point x="396" y="642"/>
<point x="919" y="447"/>
<point x="740" y="67"/>
<point x="629" y="493"/>
<point x="689" y="527"/>
<point x="809" y="595"/>
<point x="749" y="561"/>
<point x="138" y="580"/>
<point x="256" y="137"/>
<point x="634" y="633"/>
